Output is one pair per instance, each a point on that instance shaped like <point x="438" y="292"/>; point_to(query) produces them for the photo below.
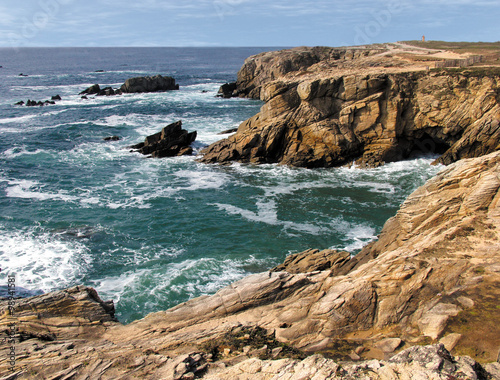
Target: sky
<point x="243" y="22"/>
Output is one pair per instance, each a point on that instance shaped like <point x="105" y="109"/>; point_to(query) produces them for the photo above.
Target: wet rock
<point x="94" y="89"/>
<point x="112" y="138"/>
<point x="171" y="141"/>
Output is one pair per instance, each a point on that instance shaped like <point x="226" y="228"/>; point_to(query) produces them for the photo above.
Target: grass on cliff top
<point x="489" y="50"/>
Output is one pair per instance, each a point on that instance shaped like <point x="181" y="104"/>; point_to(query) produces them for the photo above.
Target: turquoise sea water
<point x="150" y="233"/>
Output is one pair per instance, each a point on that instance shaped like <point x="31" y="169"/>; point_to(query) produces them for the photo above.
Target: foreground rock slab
<point x="433" y="274"/>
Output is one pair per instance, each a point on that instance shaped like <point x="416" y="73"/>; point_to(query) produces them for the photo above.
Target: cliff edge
<point x="432" y="277"/>
<point x="327" y="107"/>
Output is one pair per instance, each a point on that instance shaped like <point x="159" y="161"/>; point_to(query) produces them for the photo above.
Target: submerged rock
<point x="171" y="141"/>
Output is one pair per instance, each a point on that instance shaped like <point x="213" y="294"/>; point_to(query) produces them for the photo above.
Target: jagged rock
<point x="149" y="84"/>
<point x="313" y="260"/>
<point x="56" y="97"/>
<point x="171" y="141"/>
<point x="94" y="89"/>
<point x="328" y="107"/>
<point x="112" y="138"/>
<point x="106" y="91"/>
<point x="20" y="103"/>
<point x="227" y="90"/>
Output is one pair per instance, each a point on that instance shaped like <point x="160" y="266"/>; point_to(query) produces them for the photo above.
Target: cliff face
<point x="327" y="107"/>
<point x="433" y="276"/>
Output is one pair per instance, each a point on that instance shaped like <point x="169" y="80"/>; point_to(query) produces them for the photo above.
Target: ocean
<point x="152" y="233"/>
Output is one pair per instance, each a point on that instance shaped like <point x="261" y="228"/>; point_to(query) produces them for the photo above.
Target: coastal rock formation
<point x="328" y="107"/>
<point x="432" y="276"/>
<point x="157" y="83"/>
<point x="170" y="141"/>
<point x="149" y="84"/>
<point x="94" y="89"/>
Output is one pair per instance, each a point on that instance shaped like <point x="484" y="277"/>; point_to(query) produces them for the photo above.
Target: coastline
<point x="433" y="265"/>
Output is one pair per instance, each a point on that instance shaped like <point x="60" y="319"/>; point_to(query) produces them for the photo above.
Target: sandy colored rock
<point x="328" y="107"/>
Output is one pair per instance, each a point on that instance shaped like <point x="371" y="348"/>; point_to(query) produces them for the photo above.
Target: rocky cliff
<point x="432" y="277"/>
<point x="327" y="107"/>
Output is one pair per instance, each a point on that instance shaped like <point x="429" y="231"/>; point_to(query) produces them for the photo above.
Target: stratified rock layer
<point x="433" y="275"/>
<point x="327" y="107"/>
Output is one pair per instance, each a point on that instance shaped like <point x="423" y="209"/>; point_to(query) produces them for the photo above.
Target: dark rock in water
<point x="49" y="102"/>
<point x="83" y="97"/>
<point x="22" y="75"/>
<point x="99" y="71"/>
<point x="20" y="103"/>
<point x="232" y="130"/>
<point x="94" y="89"/>
<point x="227" y="90"/>
<point x="56" y="97"/>
<point x="112" y="138"/>
<point x="171" y="141"/>
<point x="107" y="91"/>
<point x="157" y="83"/>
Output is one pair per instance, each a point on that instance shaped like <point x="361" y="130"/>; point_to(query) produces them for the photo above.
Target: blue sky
<point x="243" y="22"/>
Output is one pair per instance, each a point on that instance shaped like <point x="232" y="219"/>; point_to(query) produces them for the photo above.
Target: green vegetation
<point x="254" y="337"/>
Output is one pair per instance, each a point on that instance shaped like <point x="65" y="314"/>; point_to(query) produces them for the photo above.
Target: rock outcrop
<point x="327" y="107"/>
<point x="156" y="83"/>
<point x="149" y="84"/>
<point x="432" y="276"/>
<point x="169" y="142"/>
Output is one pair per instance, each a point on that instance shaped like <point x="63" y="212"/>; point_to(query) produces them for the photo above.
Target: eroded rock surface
<point x="327" y="107"/>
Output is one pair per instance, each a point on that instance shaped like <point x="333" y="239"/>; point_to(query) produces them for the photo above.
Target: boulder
<point x="106" y="91"/>
<point x="170" y="141"/>
<point x="112" y="138"/>
<point x="94" y="89"/>
<point x="157" y="83"/>
<point x="56" y="97"/>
